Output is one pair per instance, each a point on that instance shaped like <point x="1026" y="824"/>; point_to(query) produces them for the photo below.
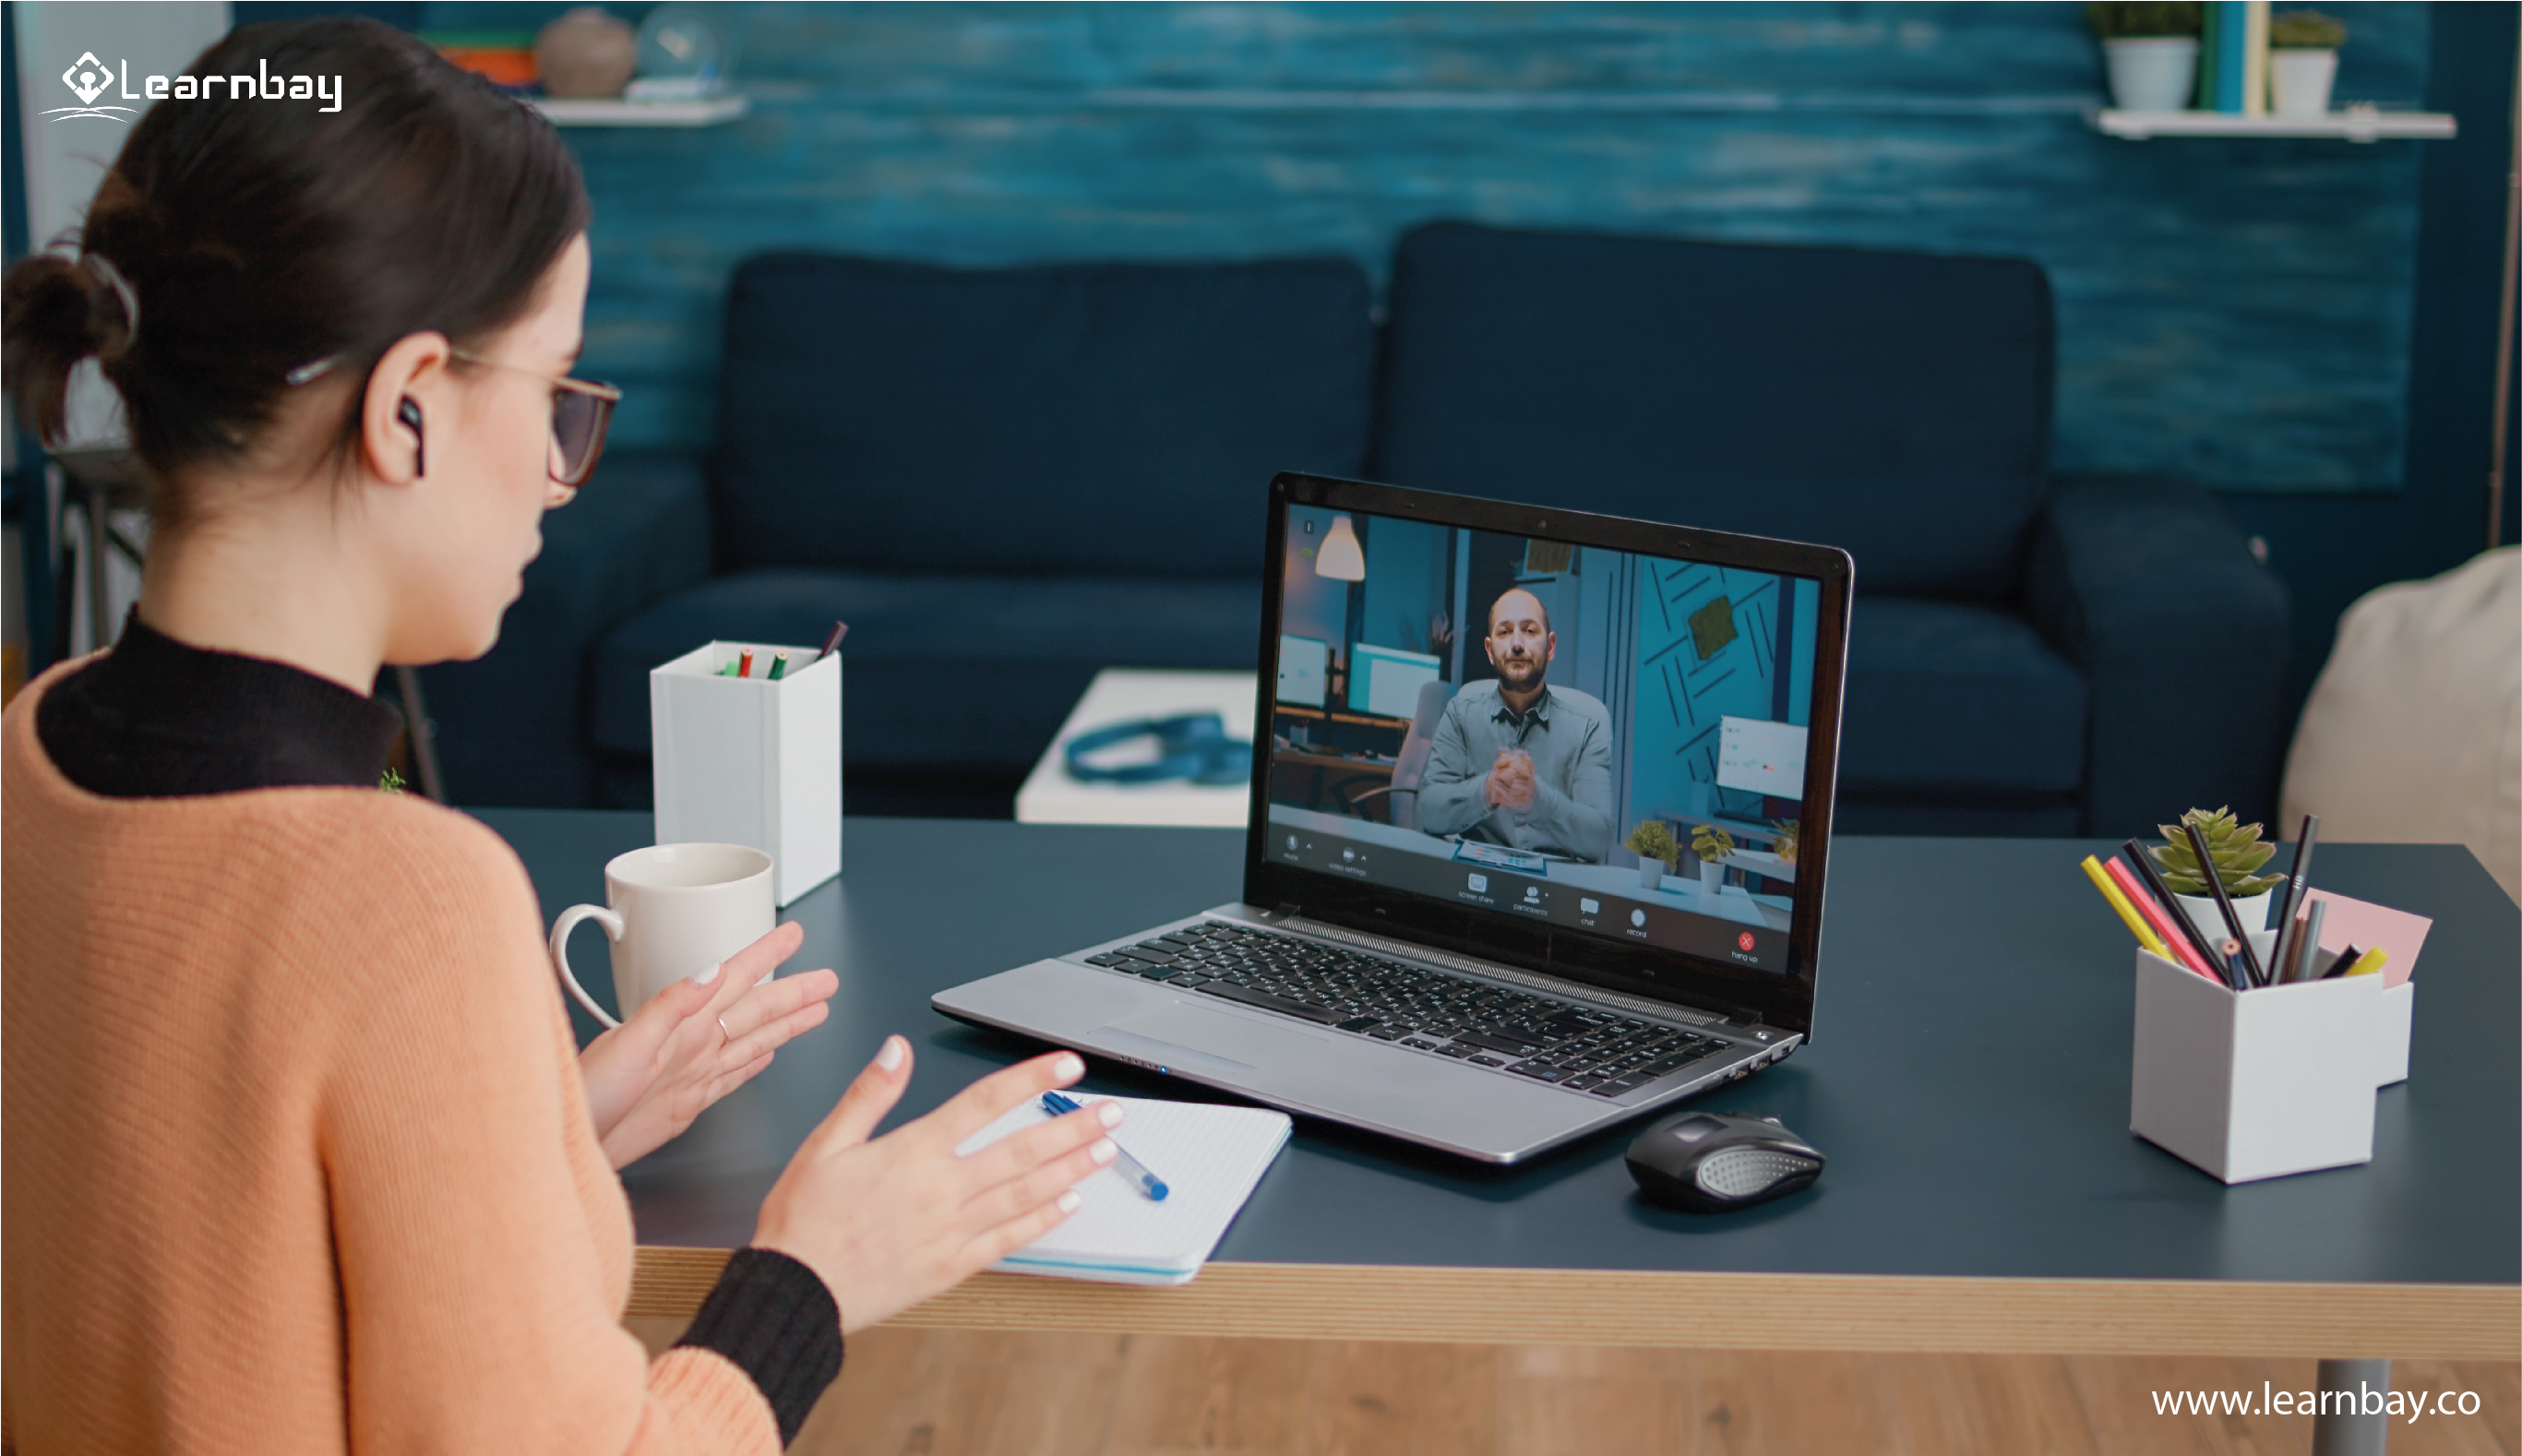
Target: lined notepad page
<point x="1211" y="1157"/>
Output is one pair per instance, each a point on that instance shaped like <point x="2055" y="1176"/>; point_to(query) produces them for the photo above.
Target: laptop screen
<point x="1589" y="739"/>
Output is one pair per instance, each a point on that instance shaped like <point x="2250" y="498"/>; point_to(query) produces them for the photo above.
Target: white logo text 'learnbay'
<point x="88" y="78"/>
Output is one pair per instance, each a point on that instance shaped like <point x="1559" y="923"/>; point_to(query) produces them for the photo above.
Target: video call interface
<point x="1602" y="740"/>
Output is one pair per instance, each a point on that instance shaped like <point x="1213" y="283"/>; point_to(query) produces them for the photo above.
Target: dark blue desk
<point x="1969" y="1079"/>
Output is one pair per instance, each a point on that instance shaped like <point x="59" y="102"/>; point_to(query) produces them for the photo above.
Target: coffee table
<point x="1051" y="795"/>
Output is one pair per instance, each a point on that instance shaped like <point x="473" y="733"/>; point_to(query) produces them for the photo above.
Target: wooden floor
<point x="926" y="1393"/>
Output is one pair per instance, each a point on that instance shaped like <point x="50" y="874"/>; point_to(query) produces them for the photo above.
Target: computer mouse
<point x="1707" y="1162"/>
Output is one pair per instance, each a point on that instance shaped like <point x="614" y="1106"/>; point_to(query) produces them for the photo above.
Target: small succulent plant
<point x="2305" y="30"/>
<point x="1653" y="839"/>
<point x="391" y="782"/>
<point x="2134" y="20"/>
<point x="2235" y="848"/>
<point x="1710" y="844"/>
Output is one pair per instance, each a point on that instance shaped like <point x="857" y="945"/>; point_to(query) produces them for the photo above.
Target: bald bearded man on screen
<point x="1516" y="761"/>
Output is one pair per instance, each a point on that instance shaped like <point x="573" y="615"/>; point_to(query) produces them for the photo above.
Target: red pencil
<point x="744" y="664"/>
<point x="2157" y="916"/>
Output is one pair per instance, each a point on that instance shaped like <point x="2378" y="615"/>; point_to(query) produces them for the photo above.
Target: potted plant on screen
<point x="2150" y="48"/>
<point x="1712" y="844"/>
<point x="1653" y="843"/>
<point x="2237" y="852"/>
<point x="1790" y="833"/>
<point x="2303" y="62"/>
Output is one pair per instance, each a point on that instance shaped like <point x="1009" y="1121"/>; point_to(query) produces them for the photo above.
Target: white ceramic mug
<point x="675" y="909"/>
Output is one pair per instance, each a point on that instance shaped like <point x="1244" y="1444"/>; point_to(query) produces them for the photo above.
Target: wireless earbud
<point x="407" y="414"/>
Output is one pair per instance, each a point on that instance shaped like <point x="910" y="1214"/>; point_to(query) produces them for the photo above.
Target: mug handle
<point x="567" y="921"/>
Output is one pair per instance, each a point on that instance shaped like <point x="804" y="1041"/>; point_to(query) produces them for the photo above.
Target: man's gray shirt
<point x="1568" y="734"/>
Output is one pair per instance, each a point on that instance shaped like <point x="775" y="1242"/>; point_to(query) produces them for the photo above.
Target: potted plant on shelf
<point x="2303" y="62"/>
<point x="1653" y="843"/>
<point x="1790" y="830"/>
<point x="1712" y="844"/>
<point x="2150" y="47"/>
<point x="2237" y="852"/>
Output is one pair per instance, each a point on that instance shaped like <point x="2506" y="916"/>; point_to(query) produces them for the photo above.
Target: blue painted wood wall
<point x="2235" y="311"/>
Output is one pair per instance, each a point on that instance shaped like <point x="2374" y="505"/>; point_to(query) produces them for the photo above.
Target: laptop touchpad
<point x="1214" y="1036"/>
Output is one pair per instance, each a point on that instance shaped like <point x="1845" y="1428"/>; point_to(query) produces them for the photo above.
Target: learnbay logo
<point x="90" y="78"/>
<point x="87" y="79"/>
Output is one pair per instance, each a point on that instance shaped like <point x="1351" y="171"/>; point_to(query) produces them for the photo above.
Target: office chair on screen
<point x="1402" y="806"/>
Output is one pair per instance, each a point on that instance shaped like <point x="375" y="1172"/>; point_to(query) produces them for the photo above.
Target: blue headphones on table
<point x="1193" y="746"/>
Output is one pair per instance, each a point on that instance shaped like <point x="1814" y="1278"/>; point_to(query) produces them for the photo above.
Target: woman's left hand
<point x="695" y="1042"/>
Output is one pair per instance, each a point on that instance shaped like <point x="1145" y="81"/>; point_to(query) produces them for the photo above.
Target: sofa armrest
<point x="2149" y="588"/>
<point x="512" y="724"/>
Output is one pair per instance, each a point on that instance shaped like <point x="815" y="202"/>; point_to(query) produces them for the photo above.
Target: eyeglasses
<point x="582" y="410"/>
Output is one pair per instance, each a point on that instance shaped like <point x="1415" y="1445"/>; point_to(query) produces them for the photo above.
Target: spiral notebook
<point x="1212" y="1157"/>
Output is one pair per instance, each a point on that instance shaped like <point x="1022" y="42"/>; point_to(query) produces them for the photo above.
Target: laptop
<point x="1474" y="710"/>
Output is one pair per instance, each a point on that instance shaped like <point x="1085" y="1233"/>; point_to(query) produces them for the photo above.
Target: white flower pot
<point x="2299" y="81"/>
<point x="1711" y="878"/>
<point x="2152" y="73"/>
<point x="2252" y="912"/>
<point x="1650" y="872"/>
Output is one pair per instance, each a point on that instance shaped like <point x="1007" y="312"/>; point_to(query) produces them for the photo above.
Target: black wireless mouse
<point x="1707" y="1162"/>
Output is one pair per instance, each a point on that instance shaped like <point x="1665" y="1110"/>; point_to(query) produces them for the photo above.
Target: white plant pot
<point x="1650" y="872"/>
<point x="2152" y="73"/>
<point x="2299" y="81"/>
<point x="1711" y="878"/>
<point x="2252" y="911"/>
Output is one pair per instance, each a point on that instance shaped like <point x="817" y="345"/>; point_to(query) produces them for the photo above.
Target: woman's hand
<point x="695" y="1042"/>
<point x="892" y="1222"/>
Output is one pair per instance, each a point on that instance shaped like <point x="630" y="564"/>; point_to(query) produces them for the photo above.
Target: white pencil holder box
<point x="752" y="760"/>
<point x="2257" y="1084"/>
<point x="2393" y="1025"/>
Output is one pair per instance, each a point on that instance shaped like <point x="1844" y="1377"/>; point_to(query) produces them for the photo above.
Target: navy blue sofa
<point x="1004" y="478"/>
<point x="2027" y="657"/>
<point x="1001" y="479"/>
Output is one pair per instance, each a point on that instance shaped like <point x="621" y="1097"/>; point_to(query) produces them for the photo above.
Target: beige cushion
<point x="2413" y="733"/>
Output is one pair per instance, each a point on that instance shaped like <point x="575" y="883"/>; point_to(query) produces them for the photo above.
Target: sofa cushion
<point x="1892" y="403"/>
<point x="1095" y="418"/>
<point x="952" y="672"/>
<point x="1951" y="697"/>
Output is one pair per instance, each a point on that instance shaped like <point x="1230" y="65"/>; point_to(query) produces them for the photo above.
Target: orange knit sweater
<point x="294" y="1155"/>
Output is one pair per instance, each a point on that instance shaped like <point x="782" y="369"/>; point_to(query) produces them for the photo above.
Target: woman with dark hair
<point x="300" y="1152"/>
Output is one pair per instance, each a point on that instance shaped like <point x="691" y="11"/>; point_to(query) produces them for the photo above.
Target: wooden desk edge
<point x="1764" y="1311"/>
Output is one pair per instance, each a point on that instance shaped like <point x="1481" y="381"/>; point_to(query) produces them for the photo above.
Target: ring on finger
<point x="723" y="1034"/>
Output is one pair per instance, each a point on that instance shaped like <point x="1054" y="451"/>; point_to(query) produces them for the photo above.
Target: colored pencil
<point x="2163" y="929"/>
<point x="2223" y="901"/>
<point x="2198" y="939"/>
<point x="2287" y="952"/>
<point x="2136" y="924"/>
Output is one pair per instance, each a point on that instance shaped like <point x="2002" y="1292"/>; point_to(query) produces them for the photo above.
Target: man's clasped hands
<point x="1511" y="784"/>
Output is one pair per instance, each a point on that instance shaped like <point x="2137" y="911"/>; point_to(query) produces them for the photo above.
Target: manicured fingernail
<point x="708" y="973"/>
<point x="1103" y="1150"/>
<point x="1110" y="1112"/>
<point x="890" y="1057"/>
<point x="1069" y="1201"/>
<point x="1068" y="1068"/>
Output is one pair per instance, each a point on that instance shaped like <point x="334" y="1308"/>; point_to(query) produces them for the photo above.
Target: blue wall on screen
<point x="2237" y="312"/>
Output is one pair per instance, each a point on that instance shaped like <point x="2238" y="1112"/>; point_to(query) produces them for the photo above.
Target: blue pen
<point x="1122" y="1162"/>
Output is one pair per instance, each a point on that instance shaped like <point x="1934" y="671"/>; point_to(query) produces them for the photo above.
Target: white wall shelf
<point x="573" y="110"/>
<point x="2357" y="124"/>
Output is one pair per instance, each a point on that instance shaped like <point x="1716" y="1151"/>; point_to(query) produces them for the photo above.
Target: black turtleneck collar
<point x="156" y="718"/>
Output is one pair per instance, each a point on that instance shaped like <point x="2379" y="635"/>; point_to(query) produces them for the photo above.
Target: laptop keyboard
<point x="1581" y="1048"/>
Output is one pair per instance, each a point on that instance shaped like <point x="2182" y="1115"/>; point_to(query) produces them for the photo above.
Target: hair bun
<point x="60" y="311"/>
<point x="113" y="307"/>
